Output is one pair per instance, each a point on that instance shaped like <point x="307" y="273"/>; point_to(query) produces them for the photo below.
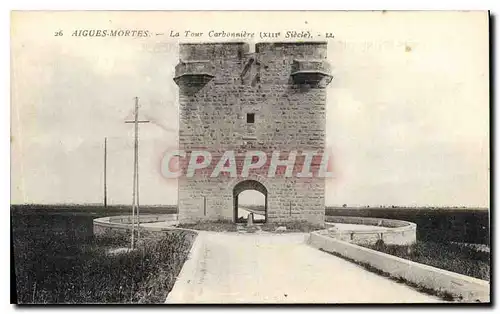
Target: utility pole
<point x="105" y="173"/>
<point x="135" y="191"/>
<point x="204" y="205"/>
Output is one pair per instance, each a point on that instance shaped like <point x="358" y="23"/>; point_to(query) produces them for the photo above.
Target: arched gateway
<point x="245" y="186"/>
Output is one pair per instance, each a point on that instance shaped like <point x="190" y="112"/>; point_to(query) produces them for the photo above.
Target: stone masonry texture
<point x="219" y="85"/>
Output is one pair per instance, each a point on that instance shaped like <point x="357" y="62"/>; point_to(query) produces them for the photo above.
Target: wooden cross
<point x="135" y="192"/>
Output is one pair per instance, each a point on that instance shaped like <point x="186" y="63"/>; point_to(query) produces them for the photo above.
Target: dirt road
<point x="279" y="268"/>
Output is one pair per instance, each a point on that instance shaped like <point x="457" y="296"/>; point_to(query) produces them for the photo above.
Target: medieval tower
<point x="271" y="100"/>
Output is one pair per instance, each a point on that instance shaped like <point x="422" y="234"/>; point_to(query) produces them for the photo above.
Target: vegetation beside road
<point x="454" y="239"/>
<point x="229" y="226"/>
<point x="58" y="260"/>
<point x="217" y="226"/>
<point x="296" y="226"/>
<point x="463" y="259"/>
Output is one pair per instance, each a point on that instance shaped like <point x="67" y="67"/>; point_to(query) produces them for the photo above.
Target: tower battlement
<point x="211" y="51"/>
<point x="303" y="62"/>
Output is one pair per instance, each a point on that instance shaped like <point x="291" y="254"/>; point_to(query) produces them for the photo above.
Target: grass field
<point x="462" y="259"/>
<point x="229" y="226"/>
<point x="58" y="260"/>
<point x="468" y="225"/>
<point x="455" y="239"/>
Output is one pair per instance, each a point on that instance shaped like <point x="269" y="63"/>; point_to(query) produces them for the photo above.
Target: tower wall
<point x="288" y="116"/>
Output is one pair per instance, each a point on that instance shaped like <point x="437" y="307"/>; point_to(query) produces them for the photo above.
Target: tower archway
<point x="259" y="209"/>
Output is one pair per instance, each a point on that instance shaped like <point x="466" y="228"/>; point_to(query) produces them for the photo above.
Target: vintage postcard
<point x="250" y="157"/>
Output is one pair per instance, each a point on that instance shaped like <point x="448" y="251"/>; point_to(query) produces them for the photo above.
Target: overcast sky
<point x="407" y="111"/>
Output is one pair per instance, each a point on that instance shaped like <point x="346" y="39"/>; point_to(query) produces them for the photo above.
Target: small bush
<point x="217" y="226"/>
<point x="296" y="226"/>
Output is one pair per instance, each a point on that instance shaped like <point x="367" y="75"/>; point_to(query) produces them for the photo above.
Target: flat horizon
<point x="326" y="206"/>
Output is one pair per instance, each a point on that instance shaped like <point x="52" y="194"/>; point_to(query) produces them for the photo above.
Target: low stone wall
<point x="399" y="232"/>
<point x="143" y="218"/>
<point x="382" y="222"/>
<point x="468" y="288"/>
<point x="123" y="225"/>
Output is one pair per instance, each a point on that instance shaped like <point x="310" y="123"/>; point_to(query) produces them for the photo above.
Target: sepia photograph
<point x="250" y="157"/>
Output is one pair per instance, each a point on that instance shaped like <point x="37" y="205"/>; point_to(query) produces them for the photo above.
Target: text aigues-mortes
<point x="111" y="33"/>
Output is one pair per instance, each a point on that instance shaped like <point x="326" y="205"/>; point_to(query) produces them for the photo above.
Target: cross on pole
<point x="135" y="191"/>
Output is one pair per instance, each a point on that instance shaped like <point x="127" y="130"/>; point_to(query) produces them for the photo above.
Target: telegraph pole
<point x="105" y="173"/>
<point x="135" y="189"/>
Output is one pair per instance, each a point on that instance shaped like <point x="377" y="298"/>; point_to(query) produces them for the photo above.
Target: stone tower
<point x="271" y="100"/>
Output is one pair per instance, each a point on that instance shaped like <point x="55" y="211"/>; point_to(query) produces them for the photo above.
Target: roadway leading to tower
<point x="280" y="268"/>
